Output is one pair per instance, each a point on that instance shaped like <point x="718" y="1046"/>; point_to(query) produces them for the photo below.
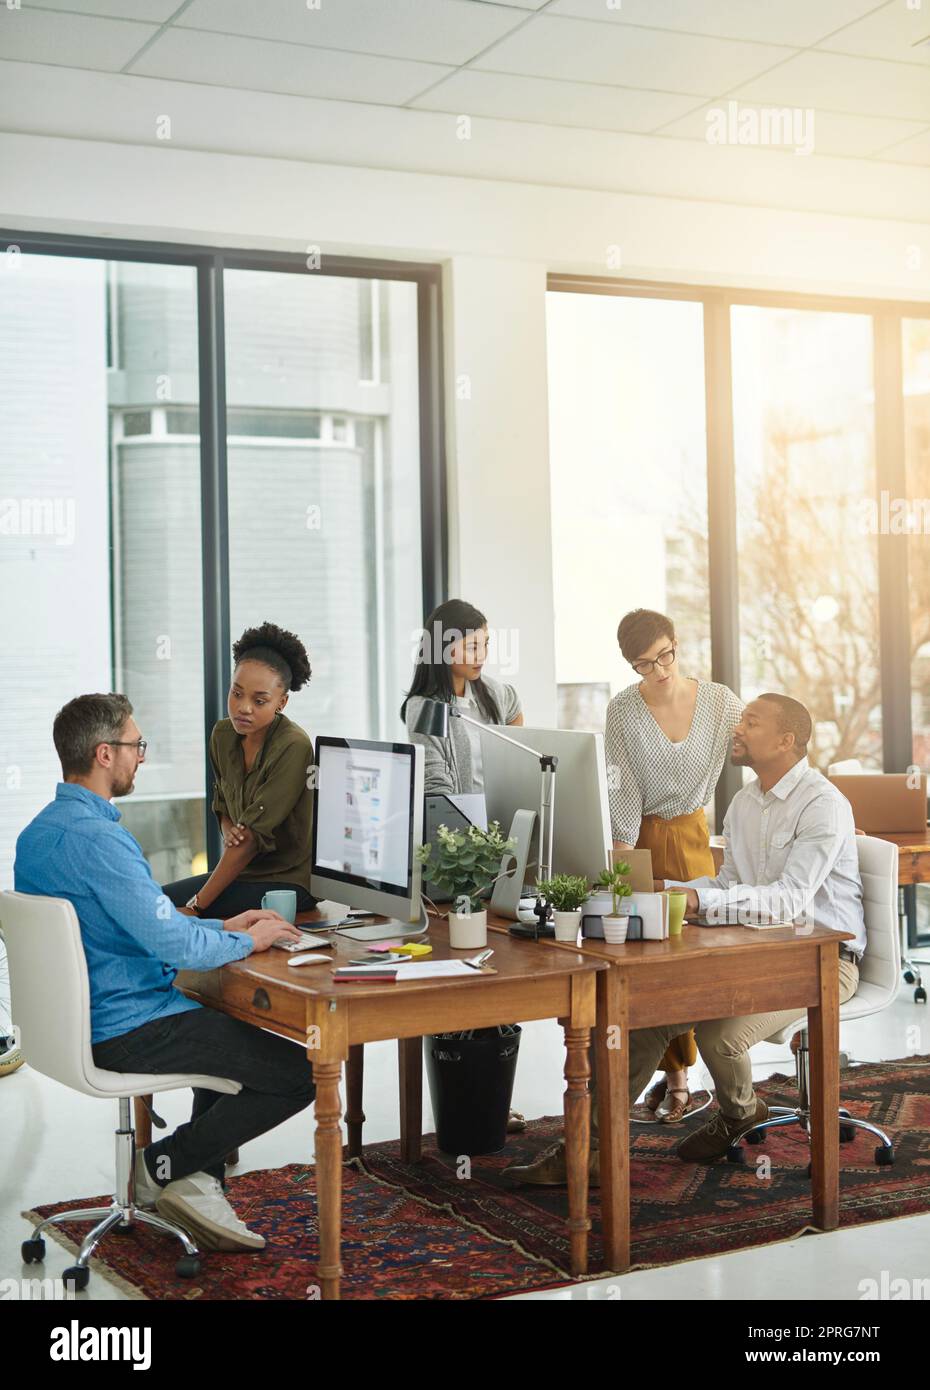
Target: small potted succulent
<point x="616" y="882"/>
<point x="463" y="864"/>
<point x="565" y="893"/>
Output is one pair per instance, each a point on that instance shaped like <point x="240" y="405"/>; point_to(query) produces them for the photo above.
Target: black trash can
<point x="470" y="1079"/>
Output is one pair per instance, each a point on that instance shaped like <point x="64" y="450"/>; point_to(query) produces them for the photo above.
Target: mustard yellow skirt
<point x="680" y="850"/>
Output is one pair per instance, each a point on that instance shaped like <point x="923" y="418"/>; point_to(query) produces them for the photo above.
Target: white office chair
<point x="846" y="767"/>
<point x="879" y="971"/>
<point x="51" y="1009"/>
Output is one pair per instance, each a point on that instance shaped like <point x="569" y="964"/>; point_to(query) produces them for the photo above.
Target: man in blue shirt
<point x="135" y="942"/>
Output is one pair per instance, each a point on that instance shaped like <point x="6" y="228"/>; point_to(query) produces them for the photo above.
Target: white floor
<point x="57" y="1143"/>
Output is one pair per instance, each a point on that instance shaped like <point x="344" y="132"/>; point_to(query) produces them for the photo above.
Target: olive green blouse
<point x="274" y="799"/>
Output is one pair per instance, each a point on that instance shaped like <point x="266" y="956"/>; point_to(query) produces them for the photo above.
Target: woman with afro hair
<point x="261" y="763"/>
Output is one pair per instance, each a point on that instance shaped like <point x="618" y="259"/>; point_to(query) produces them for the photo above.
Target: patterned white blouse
<point x="647" y="774"/>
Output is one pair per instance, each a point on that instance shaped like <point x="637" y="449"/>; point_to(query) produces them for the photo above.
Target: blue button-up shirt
<point x="135" y="940"/>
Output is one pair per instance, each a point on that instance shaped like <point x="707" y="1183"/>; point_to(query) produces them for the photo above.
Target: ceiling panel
<point x="859" y="86"/>
<point x="585" y="52"/>
<point x="891" y="32"/>
<point x="441" y="31"/>
<point x="258" y="65"/>
<point x="794" y="22"/>
<point x="155" y="11"/>
<point x="72" y="40"/>
<point x="852" y="136"/>
<point x="914" y="151"/>
<point x="555" y="103"/>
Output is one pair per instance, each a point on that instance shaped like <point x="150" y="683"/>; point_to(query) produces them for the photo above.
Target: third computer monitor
<point x="582" y="841"/>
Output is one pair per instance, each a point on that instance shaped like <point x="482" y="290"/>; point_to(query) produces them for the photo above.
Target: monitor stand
<point x="383" y="931"/>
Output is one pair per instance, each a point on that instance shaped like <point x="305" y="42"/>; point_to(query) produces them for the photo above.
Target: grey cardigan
<point x="449" y="763"/>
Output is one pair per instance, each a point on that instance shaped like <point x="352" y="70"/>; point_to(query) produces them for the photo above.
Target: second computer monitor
<point x="582" y="840"/>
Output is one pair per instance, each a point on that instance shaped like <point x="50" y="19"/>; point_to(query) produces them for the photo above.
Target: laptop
<point x="886" y="803"/>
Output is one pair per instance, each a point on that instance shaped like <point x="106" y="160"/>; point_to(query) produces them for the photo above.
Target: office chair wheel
<point x="884" y="1157"/>
<point x="920" y="995"/>
<point x="755" y="1136"/>
<point x="847" y="1134"/>
<point x="77" y="1277"/>
<point x="736" y="1155"/>
<point x="909" y="977"/>
<point x="187" y="1267"/>
<point x="33" y="1251"/>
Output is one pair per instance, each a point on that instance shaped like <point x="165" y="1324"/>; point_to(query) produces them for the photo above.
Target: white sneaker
<point x="198" y="1203"/>
<point x="147" y="1190"/>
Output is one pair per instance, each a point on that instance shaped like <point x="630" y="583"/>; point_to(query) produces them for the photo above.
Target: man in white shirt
<point x="790" y="856"/>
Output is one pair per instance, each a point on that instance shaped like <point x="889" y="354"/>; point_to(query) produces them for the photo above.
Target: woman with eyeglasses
<point x="261" y="762"/>
<point x="666" y="739"/>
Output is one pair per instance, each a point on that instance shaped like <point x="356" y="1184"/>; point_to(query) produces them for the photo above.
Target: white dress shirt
<point x="790" y="856"/>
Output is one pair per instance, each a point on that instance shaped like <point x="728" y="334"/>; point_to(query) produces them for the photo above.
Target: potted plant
<point x="565" y="893"/>
<point x="463" y="864"/>
<point x="616" y="882"/>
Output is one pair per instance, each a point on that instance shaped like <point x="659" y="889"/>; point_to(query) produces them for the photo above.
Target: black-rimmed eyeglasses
<point x="642" y="668"/>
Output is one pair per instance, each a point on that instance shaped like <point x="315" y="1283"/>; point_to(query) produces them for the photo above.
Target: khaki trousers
<point x="724" y="1045"/>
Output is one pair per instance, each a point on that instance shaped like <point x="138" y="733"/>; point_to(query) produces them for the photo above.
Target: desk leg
<point x="355" y="1115"/>
<point x="611" y="1041"/>
<point x="328" y="1175"/>
<point x="577" y="1140"/>
<point x="143" y="1121"/>
<point x="823" y="1027"/>
<point x="410" y="1065"/>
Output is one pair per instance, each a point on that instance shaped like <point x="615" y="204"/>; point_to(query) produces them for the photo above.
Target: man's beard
<point x="740" y="759"/>
<point x="123" y="788"/>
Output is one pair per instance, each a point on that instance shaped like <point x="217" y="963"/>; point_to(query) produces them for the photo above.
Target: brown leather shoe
<point x="549" y="1169"/>
<point x="712" y="1140"/>
<point x="655" y="1095"/>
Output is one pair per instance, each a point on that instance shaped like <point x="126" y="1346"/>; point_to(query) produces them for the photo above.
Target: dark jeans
<point x="242" y="894"/>
<point x="276" y="1077"/>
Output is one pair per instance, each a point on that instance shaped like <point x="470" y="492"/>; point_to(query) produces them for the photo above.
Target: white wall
<point x="497" y="241"/>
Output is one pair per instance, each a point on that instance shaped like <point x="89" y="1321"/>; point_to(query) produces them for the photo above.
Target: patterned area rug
<point x="422" y="1232"/>
<point x="682" y="1211"/>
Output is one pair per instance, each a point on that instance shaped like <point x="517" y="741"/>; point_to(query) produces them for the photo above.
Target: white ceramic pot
<point x="468" y="930"/>
<point x="567" y="925"/>
<point x="615" y="929"/>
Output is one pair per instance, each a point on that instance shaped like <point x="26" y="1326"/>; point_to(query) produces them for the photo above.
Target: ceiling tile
<point x="154" y="11"/>
<point x="577" y="50"/>
<point x="539" y="99"/>
<point x="891" y="32"/>
<point x="852" y="136"/>
<point x="258" y="65"/>
<point x="832" y="82"/>
<point x="793" y="22"/>
<point x="441" y="31"/>
<point x="915" y="151"/>
<point x="72" y="40"/>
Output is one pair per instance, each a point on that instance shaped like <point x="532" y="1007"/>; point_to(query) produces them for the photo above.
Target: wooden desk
<point x="712" y="972"/>
<point x="913" y="857"/>
<point x="304" y="1004"/>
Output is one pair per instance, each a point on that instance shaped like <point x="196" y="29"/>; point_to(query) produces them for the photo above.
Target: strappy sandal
<point x="677" y="1108"/>
<point x="655" y="1096"/>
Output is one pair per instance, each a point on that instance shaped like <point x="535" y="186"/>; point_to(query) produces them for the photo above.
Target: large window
<point x="738" y="454"/>
<point x="324" y="492"/>
<point x="916" y="521"/>
<point x="629" y="486"/>
<point x="165" y="487"/>
<point x="808" y="580"/>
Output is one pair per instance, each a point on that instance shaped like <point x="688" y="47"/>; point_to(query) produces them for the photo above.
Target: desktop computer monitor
<point x="582" y="840"/>
<point x="367" y="823"/>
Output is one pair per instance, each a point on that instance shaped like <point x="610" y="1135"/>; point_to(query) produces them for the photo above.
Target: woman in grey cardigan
<point x="452" y="653"/>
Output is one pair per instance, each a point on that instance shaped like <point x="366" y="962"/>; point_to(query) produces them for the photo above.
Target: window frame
<point x="210" y="264"/>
